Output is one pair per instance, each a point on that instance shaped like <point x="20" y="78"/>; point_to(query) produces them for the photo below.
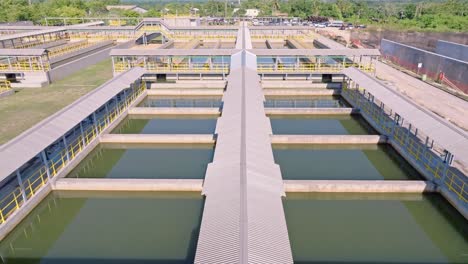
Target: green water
<point x="152" y="163"/>
<point x="362" y="228"/>
<point x="380" y="162"/>
<point x="321" y="125"/>
<point x="113" y="227"/>
<point x="166" y="126"/>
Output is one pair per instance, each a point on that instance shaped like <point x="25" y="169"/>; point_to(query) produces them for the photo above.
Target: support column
<point x="46" y="164"/>
<point x="82" y="134"/>
<point x="21" y="185"/>
<point x="95" y="123"/>
<point x="66" y="147"/>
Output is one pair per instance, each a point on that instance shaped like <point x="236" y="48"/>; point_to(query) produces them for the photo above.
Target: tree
<point x="70" y="11"/>
<point x="409" y="11"/>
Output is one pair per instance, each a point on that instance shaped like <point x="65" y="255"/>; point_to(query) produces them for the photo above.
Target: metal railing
<point x="174" y="68"/>
<point x="68" y="48"/>
<point x="283" y="36"/>
<point x="427" y="154"/>
<point x="22" y="66"/>
<point x="35" y="181"/>
<point x="311" y="67"/>
<point x="103" y="36"/>
<point x="5" y="85"/>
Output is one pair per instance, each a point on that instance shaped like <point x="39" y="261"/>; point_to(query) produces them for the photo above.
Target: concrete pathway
<point x="452" y="108"/>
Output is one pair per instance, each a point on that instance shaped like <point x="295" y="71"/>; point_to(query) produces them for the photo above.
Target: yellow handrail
<point x="13" y="201"/>
<point x="427" y="158"/>
<point x="5" y="85"/>
<point x="71" y="47"/>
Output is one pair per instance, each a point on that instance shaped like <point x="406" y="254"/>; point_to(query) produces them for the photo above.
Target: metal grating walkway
<point x="243" y="219"/>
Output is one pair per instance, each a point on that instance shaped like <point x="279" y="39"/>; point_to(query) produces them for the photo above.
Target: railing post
<point x="107" y="114"/>
<point x="66" y="147"/>
<point x="2" y="218"/>
<point x="20" y="183"/>
<point x="95" y="123"/>
<point x="82" y="134"/>
<point x="44" y="160"/>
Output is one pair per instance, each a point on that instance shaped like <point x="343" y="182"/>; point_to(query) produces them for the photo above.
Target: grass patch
<point x="27" y="107"/>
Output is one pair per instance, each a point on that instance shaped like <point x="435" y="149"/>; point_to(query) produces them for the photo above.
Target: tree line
<point x="446" y="15"/>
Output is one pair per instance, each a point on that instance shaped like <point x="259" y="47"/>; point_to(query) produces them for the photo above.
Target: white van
<point x="336" y="23"/>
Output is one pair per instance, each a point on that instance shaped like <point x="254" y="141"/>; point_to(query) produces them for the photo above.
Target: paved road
<point x="450" y="107"/>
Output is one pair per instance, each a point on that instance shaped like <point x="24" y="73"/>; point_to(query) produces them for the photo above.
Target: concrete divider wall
<point x="76" y="65"/>
<point x="432" y="63"/>
<point x="62" y="59"/>
<point x="371" y="38"/>
<point x="359" y="186"/>
<point x="452" y="50"/>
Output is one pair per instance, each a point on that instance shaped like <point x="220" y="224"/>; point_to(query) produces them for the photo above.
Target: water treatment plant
<point x="228" y="144"/>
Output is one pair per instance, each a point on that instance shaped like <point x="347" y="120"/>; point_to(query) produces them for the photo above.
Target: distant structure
<point x="127" y="7"/>
<point x="252" y="12"/>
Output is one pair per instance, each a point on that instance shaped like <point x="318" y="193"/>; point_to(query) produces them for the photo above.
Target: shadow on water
<point x="192" y="249"/>
<point x="373" y="262"/>
<point x="94" y="261"/>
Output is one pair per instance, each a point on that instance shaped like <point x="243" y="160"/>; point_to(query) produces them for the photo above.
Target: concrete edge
<point x="310" y="111"/>
<point x="359" y="186"/>
<point x="155" y="139"/>
<point x="194" y="91"/>
<point x="268" y="92"/>
<point x="68" y="184"/>
<point x="18" y="216"/>
<point x="327" y="139"/>
<point x="7" y="93"/>
<point x="151" y="112"/>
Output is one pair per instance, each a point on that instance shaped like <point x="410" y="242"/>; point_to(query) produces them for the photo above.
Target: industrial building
<point x="226" y="144"/>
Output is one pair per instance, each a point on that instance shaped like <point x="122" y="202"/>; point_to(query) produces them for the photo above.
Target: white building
<point x="252" y="12"/>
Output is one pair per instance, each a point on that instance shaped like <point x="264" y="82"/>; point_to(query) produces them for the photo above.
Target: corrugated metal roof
<point x="21" y="149"/>
<point x="253" y="28"/>
<point x="22" y="52"/>
<point x="172" y="52"/>
<point x="98" y="28"/>
<point x="31" y="33"/>
<point x="19" y="27"/>
<point x="316" y="52"/>
<point x="89" y="24"/>
<point x="243" y="218"/>
<point x="445" y="134"/>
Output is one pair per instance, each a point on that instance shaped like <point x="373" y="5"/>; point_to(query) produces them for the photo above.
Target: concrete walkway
<point x="441" y="103"/>
<point x="132" y="140"/>
<point x="432" y="98"/>
<point x="142" y="185"/>
<point x="193" y="92"/>
<point x="309" y="111"/>
<point x="299" y="92"/>
<point x="358" y="186"/>
<point x="152" y="112"/>
<point x="327" y="139"/>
